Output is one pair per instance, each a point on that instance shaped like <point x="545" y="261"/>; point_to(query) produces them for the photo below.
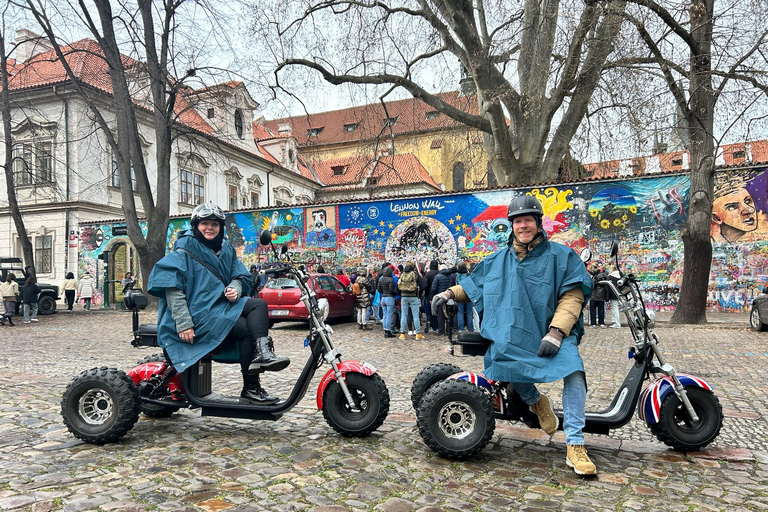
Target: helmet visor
<point x="207" y="210"/>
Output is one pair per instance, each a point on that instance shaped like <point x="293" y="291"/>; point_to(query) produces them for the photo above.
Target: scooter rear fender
<point x="145" y="371"/>
<point x="483" y="382"/>
<point x="345" y="367"/>
<point x="654" y="393"/>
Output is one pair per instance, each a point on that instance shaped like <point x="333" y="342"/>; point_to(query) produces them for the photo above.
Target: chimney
<point x="29" y="44"/>
<point x="284" y="129"/>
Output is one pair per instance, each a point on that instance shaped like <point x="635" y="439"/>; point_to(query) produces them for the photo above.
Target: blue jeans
<point x="574" y="402"/>
<point x="27" y="308"/>
<point x="388" y="305"/>
<point x="465" y="308"/>
<point x="412" y="304"/>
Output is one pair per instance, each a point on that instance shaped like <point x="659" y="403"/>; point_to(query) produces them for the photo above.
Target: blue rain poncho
<point x="213" y="315"/>
<point x="518" y="299"/>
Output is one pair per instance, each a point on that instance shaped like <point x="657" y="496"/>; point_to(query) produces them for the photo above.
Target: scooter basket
<point x="472" y="343"/>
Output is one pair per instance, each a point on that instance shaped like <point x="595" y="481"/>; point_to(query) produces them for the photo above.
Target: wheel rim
<point x="95" y="406"/>
<point x="683" y="420"/>
<point x="360" y="400"/>
<point x="755" y="319"/>
<point x="456" y="420"/>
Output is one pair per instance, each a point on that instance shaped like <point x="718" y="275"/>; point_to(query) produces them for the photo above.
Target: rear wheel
<point x="429" y="376"/>
<point x="100" y="405"/>
<point x="371" y="399"/>
<point x="754" y="320"/>
<point x="148" y="389"/>
<point x="675" y="427"/>
<point x="455" y="419"/>
<point x="46" y="305"/>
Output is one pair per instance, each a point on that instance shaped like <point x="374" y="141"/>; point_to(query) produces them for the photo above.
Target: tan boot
<point x="547" y="419"/>
<point x="578" y="459"/>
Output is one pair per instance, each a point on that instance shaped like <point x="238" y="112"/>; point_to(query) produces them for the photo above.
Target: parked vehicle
<point x="457" y="410"/>
<point x="102" y="404"/>
<point x="283" y="297"/>
<point x="49" y="293"/>
<point x="758" y="315"/>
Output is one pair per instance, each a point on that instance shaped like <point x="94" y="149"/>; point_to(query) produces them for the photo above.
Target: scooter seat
<point x="147" y="330"/>
<point x="472" y="343"/>
<point x="226" y="356"/>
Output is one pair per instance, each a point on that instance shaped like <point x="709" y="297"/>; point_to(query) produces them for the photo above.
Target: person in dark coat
<point x="429" y="277"/>
<point x="443" y="280"/>
<point x="599" y="295"/>
<point x="464" y="315"/>
<point x="29" y="293"/>
<point x="363" y="300"/>
<point x="388" y="292"/>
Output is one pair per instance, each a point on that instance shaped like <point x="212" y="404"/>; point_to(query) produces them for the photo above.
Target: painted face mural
<point x="499" y="230"/>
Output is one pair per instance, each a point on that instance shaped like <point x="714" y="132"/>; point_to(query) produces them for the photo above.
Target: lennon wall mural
<point x="645" y="215"/>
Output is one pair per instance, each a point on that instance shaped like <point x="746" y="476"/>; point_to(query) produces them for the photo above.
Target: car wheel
<point x="754" y="319"/>
<point x="46" y="306"/>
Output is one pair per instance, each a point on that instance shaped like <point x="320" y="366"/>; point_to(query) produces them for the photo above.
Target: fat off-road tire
<point x="371" y="397"/>
<point x="100" y="405"/>
<point x="455" y="419"/>
<point x="427" y="377"/>
<point x="675" y="428"/>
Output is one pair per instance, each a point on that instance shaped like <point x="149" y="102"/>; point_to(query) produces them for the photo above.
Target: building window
<point x="192" y="187"/>
<point x="314" y="132"/>
<point x="116" y="175"/>
<point x="339" y="170"/>
<point x="43" y="253"/>
<point x="32" y="163"/>
<point x="431" y="115"/>
<point x="373" y="181"/>
<point x="211" y="113"/>
<point x="239" y="123"/>
<point x="739" y="154"/>
<point x="390" y="121"/>
<point x="254" y="200"/>
<point x="233" y="193"/>
<point x="351" y="127"/>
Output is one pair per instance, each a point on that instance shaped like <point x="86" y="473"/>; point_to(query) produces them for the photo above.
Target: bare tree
<point x="708" y="75"/>
<point x="5" y="105"/>
<point x="534" y="68"/>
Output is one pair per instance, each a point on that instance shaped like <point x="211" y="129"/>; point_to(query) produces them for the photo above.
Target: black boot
<point x="388" y="334"/>
<point x="10" y="321"/>
<point x="253" y="391"/>
<point x="264" y="357"/>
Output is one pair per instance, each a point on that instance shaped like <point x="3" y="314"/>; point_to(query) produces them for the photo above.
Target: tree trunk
<point x="13" y="203"/>
<point x="692" y="303"/>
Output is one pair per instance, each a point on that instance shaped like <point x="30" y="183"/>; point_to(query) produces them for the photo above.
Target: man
<point x="533" y="293"/>
<point x="408" y="285"/>
<point x="733" y="213"/>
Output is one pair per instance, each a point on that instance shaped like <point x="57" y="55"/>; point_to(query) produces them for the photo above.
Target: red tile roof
<point x="404" y="169"/>
<point x="731" y="155"/>
<point x="411" y="117"/>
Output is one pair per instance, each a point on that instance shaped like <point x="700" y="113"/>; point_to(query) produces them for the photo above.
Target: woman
<point x="386" y="287"/>
<point x="128" y="282"/>
<point x="9" y="290"/>
<point x="363" y="299"/>
<point x="69" y="285"/>
<point x="198" y="312"/>
<point x="86" y="289"/>
<point x="29" y="293"/>
<point x="597" y="299"/>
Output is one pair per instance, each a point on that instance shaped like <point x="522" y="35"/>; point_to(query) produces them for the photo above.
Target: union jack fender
<point x="145" y="371"/>
<point x="345" y="367"/>
<point x="654" y="393"/>
<point x="483" y="382"/>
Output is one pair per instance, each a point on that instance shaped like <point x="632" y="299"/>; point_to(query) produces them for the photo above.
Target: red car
<point x="284" y="299"/>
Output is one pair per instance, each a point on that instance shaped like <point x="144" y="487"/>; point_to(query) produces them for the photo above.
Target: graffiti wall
<point x="645" y="215"/>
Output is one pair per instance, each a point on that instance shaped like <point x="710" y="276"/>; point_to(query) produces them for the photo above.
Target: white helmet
<point x="207" y="211"/>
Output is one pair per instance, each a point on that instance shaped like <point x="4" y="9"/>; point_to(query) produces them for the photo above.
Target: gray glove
<point x="439" y="300"/>
<point x="550" y="343"/>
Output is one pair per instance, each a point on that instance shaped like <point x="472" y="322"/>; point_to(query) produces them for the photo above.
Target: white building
<point x="63" y="167"/>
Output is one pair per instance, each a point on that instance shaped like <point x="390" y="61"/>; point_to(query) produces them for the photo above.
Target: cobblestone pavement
<point x="189" y="462"/>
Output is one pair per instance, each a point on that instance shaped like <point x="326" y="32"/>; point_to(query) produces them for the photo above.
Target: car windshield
<point x="281" y="283"/>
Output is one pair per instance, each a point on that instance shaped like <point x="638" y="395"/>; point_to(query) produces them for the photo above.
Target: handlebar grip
<point x="271" y="271"/>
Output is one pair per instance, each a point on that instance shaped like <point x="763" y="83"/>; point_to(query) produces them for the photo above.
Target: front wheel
<point x="46" y="305"/>
<point x="455" y="419"/>
<point x="675" y="427"/>
<point x="100" y="405"/>
<point x="754" y="320"/>
<point x="371" y="399"/>
<point x="427" y="377"/>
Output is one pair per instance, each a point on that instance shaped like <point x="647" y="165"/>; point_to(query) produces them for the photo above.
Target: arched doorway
<point x="122" y="258"/>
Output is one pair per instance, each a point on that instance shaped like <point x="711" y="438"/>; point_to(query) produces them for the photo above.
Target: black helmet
<point x="525" y="205"/>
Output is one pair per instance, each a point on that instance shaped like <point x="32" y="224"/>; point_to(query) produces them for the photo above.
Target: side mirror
<point x="266" y="237"/>
<point x="614" y="248"/>
<point x="585" y="255"/>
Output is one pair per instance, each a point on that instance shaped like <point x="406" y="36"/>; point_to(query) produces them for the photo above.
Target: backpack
<point x="407" y="282"/>
<point x="356" y="288"/>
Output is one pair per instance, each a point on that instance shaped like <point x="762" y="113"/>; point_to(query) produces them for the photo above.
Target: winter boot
<point x="253" y="391"/>
<point x="546" y="414"/>
<point x="10" y="321"/>
<point x="264" y="358"/>
<point x="578" y="459"/>
<point x="388" y="334"/>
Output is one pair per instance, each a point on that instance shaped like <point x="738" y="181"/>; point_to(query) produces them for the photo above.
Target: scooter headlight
<point x="651" y="319"/>
<point x="324" y="307"/>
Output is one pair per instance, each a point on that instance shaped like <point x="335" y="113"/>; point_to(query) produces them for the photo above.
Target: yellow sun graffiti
<point x="554" y="201"/>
